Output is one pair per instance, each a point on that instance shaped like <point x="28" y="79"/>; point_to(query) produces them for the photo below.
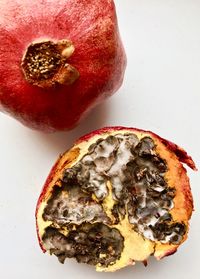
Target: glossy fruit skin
<point x="99" y="57"/>
<point x="180" y="154"/>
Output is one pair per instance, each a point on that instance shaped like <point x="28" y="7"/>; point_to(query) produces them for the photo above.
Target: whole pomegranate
<point x="116" y="197"/>
<point x="58" y="58"/>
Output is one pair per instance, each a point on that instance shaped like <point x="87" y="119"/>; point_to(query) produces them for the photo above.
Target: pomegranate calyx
<point x="45" y="64"/>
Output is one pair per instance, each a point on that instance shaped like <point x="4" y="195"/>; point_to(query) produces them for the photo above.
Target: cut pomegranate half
<point x="116" y="197"/>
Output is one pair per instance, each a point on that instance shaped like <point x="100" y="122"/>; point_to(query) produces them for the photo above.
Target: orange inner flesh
<point x="136" y="247"/>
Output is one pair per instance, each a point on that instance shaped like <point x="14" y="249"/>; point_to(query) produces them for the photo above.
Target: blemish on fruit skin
<point x="91" y="69"/>
<point x="155" y="160"/>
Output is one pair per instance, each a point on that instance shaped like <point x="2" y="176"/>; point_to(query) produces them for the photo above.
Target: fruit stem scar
<point x="44" y="64"/>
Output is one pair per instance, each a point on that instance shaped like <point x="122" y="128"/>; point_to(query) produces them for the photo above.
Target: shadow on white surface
<point x="60" y="141"/>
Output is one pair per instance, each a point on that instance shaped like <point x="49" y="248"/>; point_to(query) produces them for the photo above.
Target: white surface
<point x="161" y="93"/>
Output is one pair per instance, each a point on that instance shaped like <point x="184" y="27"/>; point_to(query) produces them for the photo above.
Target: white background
<point x="161" y="93"/>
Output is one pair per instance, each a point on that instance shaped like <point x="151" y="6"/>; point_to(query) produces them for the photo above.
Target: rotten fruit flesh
<point x="117" y="192"/>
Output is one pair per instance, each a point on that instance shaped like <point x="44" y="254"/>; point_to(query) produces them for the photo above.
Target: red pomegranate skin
<point x="99" y="58"/>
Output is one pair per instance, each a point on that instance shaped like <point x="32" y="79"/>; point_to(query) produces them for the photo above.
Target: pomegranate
<point x="116" y="197"/>
<point x="58" y="59"/>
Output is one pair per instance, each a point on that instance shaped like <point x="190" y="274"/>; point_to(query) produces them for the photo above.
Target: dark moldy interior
<point x="89" y="243"/>
<point x="139" y="190"/>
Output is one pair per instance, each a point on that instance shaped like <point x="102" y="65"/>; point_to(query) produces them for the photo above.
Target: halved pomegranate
<point x="116" y="197"/>
<point x="58" y="59"/>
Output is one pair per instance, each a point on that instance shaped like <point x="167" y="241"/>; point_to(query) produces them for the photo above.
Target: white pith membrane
<point x="131" y="174"/>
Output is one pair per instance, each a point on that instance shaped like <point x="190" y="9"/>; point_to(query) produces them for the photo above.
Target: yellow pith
<point x="136" y="247"/>
<point x="108" y="202"/>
